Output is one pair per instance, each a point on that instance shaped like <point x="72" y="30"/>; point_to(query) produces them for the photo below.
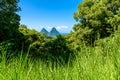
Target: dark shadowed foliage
<point x="9" y="20"/>
<point x="58" y="49"/>
<point x="10" y="37"/>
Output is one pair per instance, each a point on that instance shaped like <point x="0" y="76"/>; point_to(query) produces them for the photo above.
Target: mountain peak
<point x="44" y="31"/>
<point x="54" y="32"/>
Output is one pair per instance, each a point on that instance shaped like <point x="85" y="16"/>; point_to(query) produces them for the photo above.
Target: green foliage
<point x="33" y="40"/>
<point x="6" y="47"/>
<point x="9" y="20"/>
<point x="45" y="47"/>
<point x="58" y="49"/>
<point x="100" y="17"/>
<point x="93" y="63"/>
<point x="79" y="38"/>
<point x="97" y="19"/>
<point x="10" y="37"/>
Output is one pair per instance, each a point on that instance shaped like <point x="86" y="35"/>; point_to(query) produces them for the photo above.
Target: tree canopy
<point x="97" y="19"/>
<point x="9" y="19"/>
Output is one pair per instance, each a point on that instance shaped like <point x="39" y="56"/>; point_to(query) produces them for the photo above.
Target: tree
<point x="100" y="17"/>
<point x="58" y="49"/>
<point x="33" y="40"/>
<point x="9" y="19"/>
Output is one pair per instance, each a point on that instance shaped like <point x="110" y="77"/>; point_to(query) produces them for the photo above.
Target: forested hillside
<point x="89" y="52"/>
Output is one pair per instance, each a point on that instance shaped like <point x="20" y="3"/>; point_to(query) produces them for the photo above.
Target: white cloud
<point x="62" y="27"/>
<point x="48" y="28"/>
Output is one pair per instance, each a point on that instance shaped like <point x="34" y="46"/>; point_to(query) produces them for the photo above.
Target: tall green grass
<point x="92" y="63"/>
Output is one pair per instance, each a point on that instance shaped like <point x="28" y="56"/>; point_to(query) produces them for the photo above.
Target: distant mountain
<point x="44" y="31"/>
<point x="53" y="32"/>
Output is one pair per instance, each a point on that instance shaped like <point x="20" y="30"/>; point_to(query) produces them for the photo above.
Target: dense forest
<point x="94" y="38"/>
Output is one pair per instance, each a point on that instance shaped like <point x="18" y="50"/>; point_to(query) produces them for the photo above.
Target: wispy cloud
<point x="59" y="28"/>
<point x="62" y="27"/>
<point x="48" y="28"/>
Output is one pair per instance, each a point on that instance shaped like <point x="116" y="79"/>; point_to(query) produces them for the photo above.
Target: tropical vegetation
<point x="89" y="52"/>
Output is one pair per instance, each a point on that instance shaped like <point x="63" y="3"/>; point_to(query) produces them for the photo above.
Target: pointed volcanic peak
<point x="44" y="31"/>
<point x="53" y="32"/>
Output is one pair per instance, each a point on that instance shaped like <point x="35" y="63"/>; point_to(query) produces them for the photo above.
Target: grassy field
<point x="98" y="63"/>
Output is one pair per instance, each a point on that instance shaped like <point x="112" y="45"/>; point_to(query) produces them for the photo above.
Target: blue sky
<point x="38" y="14"/>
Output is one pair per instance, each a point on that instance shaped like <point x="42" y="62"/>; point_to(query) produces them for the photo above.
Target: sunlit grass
<point x="98" y="63"/>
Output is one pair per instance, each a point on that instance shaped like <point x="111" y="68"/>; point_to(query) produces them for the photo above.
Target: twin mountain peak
<point x="52" y="33"/>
